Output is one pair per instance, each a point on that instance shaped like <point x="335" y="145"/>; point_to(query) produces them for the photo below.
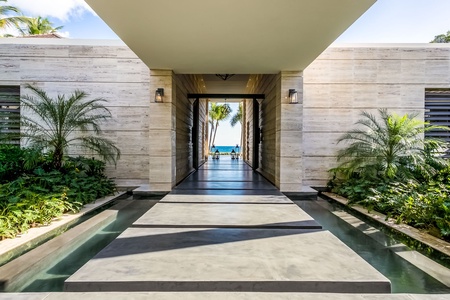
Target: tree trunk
<point x="215" y="131"/>
<point x="57" y="158"/>
<point x="210" y="136"/>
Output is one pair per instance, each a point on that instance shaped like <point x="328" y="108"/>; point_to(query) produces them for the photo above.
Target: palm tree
<point x="392" y="146"/>
<point x="237" y="117"/>
<point x="38" y="25"/>
<point x="217" y="113"/>
<point x="54" y="124"/>
<point x="9" y="21"/>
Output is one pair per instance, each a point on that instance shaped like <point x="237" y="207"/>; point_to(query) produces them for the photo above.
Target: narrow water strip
<point x="404" y="276"/>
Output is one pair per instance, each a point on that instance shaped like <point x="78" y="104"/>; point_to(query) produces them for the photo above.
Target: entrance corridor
<point x="225" y="229"/>
<point x="226" y="176"/>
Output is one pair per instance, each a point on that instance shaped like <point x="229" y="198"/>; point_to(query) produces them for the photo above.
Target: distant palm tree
<point x="217" y="113"/>
<point x="39" y="25"/>
<point x="55" y="124"/>
<point x="391" y="146"/>
<point x="10" y="21"/>
<point x="237" y="117"/>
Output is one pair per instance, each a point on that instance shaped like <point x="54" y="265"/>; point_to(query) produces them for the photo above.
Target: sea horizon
<point x="225" y="149"/>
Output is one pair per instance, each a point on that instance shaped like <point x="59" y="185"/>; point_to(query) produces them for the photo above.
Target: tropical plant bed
<point x="388" y="164"/>
<point x="40" y="183"/>
<point x="419" y="240"/>
<point x="36" y="195"/>
<point x="13" y="248"/>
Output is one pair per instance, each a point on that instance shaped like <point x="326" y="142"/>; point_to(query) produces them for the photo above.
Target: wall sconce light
<point x="293" y="99"/>
<point x="159" y="95"/>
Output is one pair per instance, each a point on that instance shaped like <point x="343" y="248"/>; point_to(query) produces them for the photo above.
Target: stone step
<point x="219" y="259"/>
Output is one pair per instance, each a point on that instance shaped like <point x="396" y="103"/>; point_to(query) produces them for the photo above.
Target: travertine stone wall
<point x="162" y="132"/>
<point x="345" y="80"/>
<point x="280" y="158"/>
<point x="171" y="124"/>
<point x="289" y="133"/>
<point x="111" y="71"/>
<point x="299" y="141"/>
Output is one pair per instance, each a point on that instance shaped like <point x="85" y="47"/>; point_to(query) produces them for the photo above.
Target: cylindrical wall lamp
<point x="159" y="95"/>
<point x="293" y="99"/>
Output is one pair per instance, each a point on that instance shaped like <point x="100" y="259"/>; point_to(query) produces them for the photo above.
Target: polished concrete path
<point x="225" y="176"/>
<point x="227" y="229"/>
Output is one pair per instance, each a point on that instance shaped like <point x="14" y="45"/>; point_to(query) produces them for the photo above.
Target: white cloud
<point x="60" y="9"/>
<point x="64" y="34"/>
<point x="9" y="30"/>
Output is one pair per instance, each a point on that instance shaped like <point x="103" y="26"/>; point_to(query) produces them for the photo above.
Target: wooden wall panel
<point x="268" y="123"/>
<point x="185" y="122"/>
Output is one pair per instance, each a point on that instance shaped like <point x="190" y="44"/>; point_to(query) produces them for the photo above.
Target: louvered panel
<point x="9" y="113"/>
<point x="437" y="112"/>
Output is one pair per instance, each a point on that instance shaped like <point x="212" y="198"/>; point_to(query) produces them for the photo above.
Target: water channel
<point x="405" y="277"/>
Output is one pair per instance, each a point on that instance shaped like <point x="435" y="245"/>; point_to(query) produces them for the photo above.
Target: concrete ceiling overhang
<point x="232" y="36"/>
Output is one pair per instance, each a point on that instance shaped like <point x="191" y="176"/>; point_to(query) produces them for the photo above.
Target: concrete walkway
<point x="226" y="229"/>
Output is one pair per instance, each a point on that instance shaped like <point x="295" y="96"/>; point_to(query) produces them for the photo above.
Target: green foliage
<point x="14" y="161"/>
<point x="40" y="194"/>
<point x="56" y="124"/>
<point x="442" y="38"/>
<point x="9" y="21"/>
<point x="390" y="168"/>
<point x="237" y="117"/>
<point x="388" y="147"/>
<point x="37" y="25"/>
<point x="217" y="113"/>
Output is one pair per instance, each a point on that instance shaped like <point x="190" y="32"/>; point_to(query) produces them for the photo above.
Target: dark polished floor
<point x="225" y="176"/>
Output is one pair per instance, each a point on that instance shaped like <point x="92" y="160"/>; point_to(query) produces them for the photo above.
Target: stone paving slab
<point x="216" y="296"/>
<point x="219" y="175"/>
<point x="226" y="192"/>
<point x="227" y="216"/>
<point x="262" y="199"/>
<point x="226" y="185"/>
<point x="224" y="167"/>
<point x="217" y="259"/>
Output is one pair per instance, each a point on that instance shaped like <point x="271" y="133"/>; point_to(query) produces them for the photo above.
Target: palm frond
<point x="103" y="147"/>
<point x="57" y="123"/>
<point x="391" y="145"/>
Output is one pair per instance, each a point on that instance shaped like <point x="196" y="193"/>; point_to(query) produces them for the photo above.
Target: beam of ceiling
<point x="229" y="37"/>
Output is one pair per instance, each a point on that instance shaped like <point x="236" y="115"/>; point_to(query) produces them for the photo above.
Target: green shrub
<point x="388" y="167"/>
<point x="42" y="194"/>
<point x="14" y="161"/>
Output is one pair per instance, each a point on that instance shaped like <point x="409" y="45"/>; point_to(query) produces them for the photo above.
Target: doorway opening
<point x="225" y="129"/>
<point x="221" y="138"/>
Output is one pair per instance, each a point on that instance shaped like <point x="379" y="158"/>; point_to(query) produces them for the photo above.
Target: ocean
<point x="226" y="149"/>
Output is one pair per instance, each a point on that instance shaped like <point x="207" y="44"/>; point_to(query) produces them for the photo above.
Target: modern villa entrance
<point x="251" y="127"/>
<point x="226" y="229"/>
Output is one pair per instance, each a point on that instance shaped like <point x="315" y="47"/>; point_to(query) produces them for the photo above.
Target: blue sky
<point x="387" y="21"/>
